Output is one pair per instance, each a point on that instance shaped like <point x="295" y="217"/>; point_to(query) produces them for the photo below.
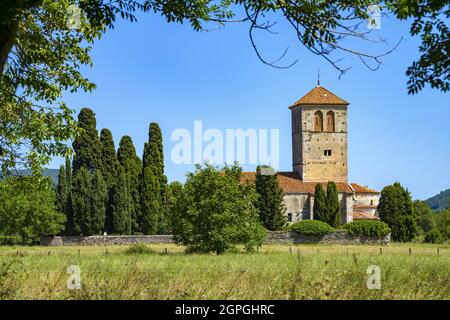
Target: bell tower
<point x="319" y="136"/>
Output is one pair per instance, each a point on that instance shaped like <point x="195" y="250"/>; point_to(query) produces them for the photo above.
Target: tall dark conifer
<point x="132" y="166"/>
<point x="110" y="171"/>
<point x="120" y="213"/>
<point x="153" y="184"/>
<point x="87" y="145"/>
<point x="333" y="206"/>
<point x="270" y="203"/>
<point x="62" y="190"/>
<point x="320" y="204"/>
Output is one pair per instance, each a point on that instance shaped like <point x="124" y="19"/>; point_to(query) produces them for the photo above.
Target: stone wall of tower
<point x="309" y="146"/>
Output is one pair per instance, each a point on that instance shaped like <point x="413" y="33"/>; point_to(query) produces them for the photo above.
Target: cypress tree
<point x="396" y="209"/>
<point x="68" y="208"/>
<point x="87" y="145"/>
<point x="151" y="201"/>
<point x="63" y="195"/>
<point x="132" y="166"/>
<point x="320" y="204"/>
<point x="333" y="206"/>
<point x="81" y="207"/>
<point x="99" y="192"/>
<point x="109" y="163"/>
<point x="270" y="202"/>
<point x="89" y="194"/>
<point x="121" y="219"/>
<point x="109" y="169"/>
<point x="61" y="190"/>
<point x="154" y="183"/>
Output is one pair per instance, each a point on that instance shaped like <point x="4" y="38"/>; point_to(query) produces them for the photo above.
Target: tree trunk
<point x="7" y="39"/>
<point x="11" y="11"/>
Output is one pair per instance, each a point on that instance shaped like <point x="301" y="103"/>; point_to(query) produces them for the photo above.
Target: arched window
<point x="318" y="121"/>
<point x="330" y="121"/>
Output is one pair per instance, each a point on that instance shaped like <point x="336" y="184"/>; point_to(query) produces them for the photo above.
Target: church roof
<point x="359" y="215"/>
<point x="291" y="183"/>
<point x="319" y="96"/>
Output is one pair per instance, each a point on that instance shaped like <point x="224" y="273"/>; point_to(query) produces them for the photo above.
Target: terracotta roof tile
<point x="318" y="96"/>
<point x="360" y="189"/>
<point x="358" y="215"/>
<point x="291" y="183"/>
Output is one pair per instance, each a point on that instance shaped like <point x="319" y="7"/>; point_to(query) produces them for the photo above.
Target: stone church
<point x="319" y="155"/>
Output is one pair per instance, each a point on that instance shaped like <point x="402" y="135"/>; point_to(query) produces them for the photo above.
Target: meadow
<point x="408" y="271"/>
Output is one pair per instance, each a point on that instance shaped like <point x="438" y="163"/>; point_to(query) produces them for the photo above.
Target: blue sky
<point x="154" y="71"/>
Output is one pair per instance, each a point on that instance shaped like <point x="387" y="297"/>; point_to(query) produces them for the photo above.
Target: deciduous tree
<point x="396" y="209"/>
<point x="216" y="212"/>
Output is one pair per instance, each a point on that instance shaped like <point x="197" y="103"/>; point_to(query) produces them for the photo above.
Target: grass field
<point x="275" y="272"/>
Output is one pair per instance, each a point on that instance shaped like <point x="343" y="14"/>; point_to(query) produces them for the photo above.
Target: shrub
<point x="10" y="240"/>
<point x="139" y="248"/>
<point x="434" y="236"/>
<point x="368" y="228"/>
<point x="215" y="212"/>
<point x="28" y="209"/>
<point x="311" y="227"/>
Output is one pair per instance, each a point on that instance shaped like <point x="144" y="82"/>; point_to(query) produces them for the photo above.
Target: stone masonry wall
<point x="274" y="237"/>
<point x="104" y="240"/>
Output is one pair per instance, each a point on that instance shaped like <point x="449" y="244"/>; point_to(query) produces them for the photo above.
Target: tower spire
<point x="318" y="77"/>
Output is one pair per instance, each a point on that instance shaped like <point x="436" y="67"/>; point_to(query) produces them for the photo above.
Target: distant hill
<point x="440" y="201"/>
<point x="52" y="173"/>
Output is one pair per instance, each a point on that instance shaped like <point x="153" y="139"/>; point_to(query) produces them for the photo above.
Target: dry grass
<point x="275" y="272"/>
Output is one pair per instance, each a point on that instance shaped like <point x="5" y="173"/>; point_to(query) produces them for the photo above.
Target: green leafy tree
<point x="87" y="146"/>
<point x="28" y="209"/>
<point x="396" y="209"/>
<point x="132" y="165"/>
<point x="153" y="183"/>
<point x="89" y="195"/>
<point x="270" y="201"/>
<point x="120" y="216"/>
<point x="40" y="58"/>
<point x="320" y="211"/>
<point x="443" y="223"/>
<point x="216" y="212"/>
<point x="333" y="207"/>
<point x="424" y="216"/>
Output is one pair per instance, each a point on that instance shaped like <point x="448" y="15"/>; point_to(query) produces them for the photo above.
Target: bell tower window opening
<point x="330" y="121"/>
<point x="318" y="121"/>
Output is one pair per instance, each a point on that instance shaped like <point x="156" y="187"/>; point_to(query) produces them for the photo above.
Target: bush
<point x="368" y="228"/>
<point x="139" y="248"/>
<point x="28" y="209"/>
<point x="215" y="212"/>
<point x="434" y="236"/>
<point x="311" y="227"/>
<point x="10" y="240"/>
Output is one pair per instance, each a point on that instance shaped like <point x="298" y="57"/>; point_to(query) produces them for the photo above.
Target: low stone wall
<point x="273" y="237"/>
<point x="104" y="240"/>
<point x="335" y="237"/>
